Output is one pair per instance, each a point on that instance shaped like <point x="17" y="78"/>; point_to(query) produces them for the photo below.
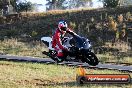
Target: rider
<point x="57" y="39"/>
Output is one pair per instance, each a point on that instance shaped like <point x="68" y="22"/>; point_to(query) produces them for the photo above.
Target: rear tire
<point x="91" y="59"/>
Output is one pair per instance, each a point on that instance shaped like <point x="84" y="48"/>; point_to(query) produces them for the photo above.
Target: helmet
<point x="62" y="26"/>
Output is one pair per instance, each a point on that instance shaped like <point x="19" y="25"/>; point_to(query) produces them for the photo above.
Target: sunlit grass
<point x="35" y="75"/>
<point x="110" y="58"/>
<point x="15" y="47"/>
<point x="34" y="14"/>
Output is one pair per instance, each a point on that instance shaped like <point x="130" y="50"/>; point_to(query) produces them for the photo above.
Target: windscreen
<point x="81" y="42"/>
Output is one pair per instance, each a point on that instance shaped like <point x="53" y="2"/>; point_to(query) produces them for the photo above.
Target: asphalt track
<point x="109" y="66"/>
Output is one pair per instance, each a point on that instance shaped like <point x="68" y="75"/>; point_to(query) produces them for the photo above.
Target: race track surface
<point x="50" y="61"/>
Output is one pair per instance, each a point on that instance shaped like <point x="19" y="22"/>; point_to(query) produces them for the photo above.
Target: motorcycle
<point x="78" y="49"/>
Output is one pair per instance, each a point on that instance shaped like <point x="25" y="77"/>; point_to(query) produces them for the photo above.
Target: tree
<point x="64" y="4"/>
<point x="1" y="4"/>
<point x="14" y="4"/>
<point x="4" y="4"/>
<point x="8" y="2"/>
<point x="110" y="3"/>
<point x="125" y="2"/>
<point x="115" y="3"/>
<point x="25" y="6"/>
<point x="79" y="3"/>
<point x="60" y="4"/>
<point x="54" y="4"/>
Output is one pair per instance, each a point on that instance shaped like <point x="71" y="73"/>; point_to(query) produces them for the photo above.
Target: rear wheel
<point x="91" y="59"/>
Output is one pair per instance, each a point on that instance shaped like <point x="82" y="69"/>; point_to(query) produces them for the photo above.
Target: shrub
<point x="34" y="33"/>
<point x="128" y="16"/>
<point x="120" y="18"/>
<point x="72" y="25"/>
<point x="112" y="25"/>
<point x="2" y="20"/>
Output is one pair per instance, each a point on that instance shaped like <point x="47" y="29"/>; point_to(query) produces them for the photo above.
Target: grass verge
<point x="111" y="58"/>
<point x="15" y="47"/>
<point x="35" y="75"/>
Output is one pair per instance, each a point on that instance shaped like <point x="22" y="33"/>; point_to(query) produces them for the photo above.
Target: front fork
<point x="82" y="55"/>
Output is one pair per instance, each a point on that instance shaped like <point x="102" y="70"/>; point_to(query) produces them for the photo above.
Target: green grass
<point x="15" y="47"/>
<point x="35" y="75"/>
<point x="116" y="59"/>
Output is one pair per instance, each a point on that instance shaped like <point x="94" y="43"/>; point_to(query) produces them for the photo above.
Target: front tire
<point x="91" y="59"/>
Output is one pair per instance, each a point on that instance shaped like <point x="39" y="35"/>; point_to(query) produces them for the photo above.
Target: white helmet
<point x="62" y="25"/>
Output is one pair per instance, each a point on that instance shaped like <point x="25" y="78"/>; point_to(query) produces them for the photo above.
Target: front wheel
<point x="91" y="59"/>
